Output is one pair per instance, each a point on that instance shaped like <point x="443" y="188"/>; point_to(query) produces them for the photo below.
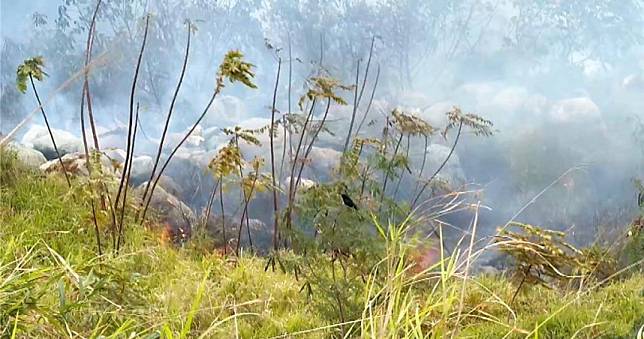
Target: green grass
<point x="53" y="285"/>
<point x="614" y="311"/>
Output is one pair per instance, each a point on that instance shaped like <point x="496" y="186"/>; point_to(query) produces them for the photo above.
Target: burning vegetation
<point x="332" y="215"/>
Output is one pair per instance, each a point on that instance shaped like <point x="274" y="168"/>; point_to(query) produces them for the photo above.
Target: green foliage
<point x="229" y="160"/>
<point x="10" y="167"/>
<point x="226" y="162"/>
<point x="479" y="125"/>
<point x="410" y="124"/>
<point x="393" y="306"/>
<point x="631" y="249"/>
<point x="345" y="267"/>
<point x="247" y="135"/>
<point x="256" y="182"/>
<point x="49" y="270"/>
<point x="351" y="167"/>
<point x="614" y="311"/>
<point x="337" y="227"/>
<point x="234" y="68"/>
<point x="544" y="257"/>
<point x="30" y="68"/>
<point x="324" y="88"/>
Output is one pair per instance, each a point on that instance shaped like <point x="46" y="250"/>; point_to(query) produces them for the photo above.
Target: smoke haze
<point x="562" y="81"/>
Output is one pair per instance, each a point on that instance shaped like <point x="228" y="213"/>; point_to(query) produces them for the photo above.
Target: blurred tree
<point x="576" y="30"/>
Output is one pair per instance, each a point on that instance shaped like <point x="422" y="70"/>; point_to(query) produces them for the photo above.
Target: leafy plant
<point x="543" y="257"/>
<point x="457" y="119"/>
<point x="320" y="88"/>
<point x="28" y="70"/>
<point x="407" y="125"/>
<point x="233" y="68"/>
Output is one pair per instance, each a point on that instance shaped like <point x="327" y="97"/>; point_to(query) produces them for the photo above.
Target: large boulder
<point x="37" y="137"/>
<point x="194" y="141"/>
<point x="303" y="185"/>
<point x="573" y="110"/>
<point x="141" y="169"/>
<point x="501" y="102"/>
<point x="171" y="213"/>
<point x="169" y="185"/>
<point x="189" y="170"/>
<point x="27" y="155"/>
<point x="115" y="154"/>
<point x="75" y="164"/>
<point x="261" y="233"/>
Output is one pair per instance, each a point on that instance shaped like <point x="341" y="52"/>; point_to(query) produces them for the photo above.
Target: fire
<point x="166" y="235"/>
<point x="424" y="256"/>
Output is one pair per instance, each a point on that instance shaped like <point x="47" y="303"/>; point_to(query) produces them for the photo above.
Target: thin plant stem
<point x="290" y="196"/>
<point x="131" y="121"/>
<point x="174" y="151"/>
<point x="402" y="173"/>
<point x="393" y="157"/>
<point x="51" y="134"/>
<point x="274" y="181"/>
<point x="310" y="147"/>
<point x="373" y="93"/>
<point x="356" y="103"/>
<point x="86" y="91"/>
<point x="127" y="181"/>
<point x="223" y="215"/>
<point x="211" y="199"/>
<point x="451" y="151"/>
<point x="168" y="116"/>
<point x="245" y="213"/>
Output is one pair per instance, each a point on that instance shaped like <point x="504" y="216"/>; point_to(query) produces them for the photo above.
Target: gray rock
<point x="169" y="185"/>
<point x="37" y="137"/>
<point x="75" y="164"/>
<point x="189" y="171"/>
<point x="115" y="154"/>
<point x="261" y="233"/>
<point x="171" y="213"/>
<point x="141" y="169"/>
<point x="28" y="156"/>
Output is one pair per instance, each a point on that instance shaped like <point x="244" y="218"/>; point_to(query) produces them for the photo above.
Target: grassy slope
<point x="53" y="285"/>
